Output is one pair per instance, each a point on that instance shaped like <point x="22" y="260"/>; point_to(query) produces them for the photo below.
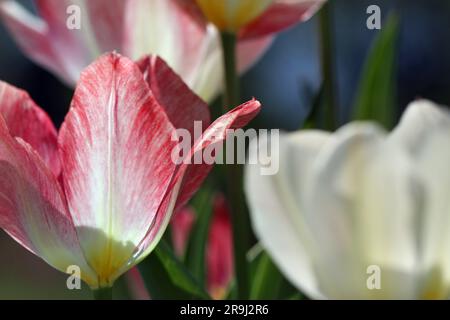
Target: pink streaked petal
<point x="182" y="106"/>
<point x="193" y="175"/>
<point x="181" y="224"/>
<point x="26" y="120"/>
<point x="220" y="249"/>
<point x="33" y="209"/>
<point x="116" y="145"/>
<point x="280" y="16"/>
<point x="189" y="177"/>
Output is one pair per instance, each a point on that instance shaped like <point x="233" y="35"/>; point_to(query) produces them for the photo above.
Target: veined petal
<point x="277" y="205"/>
<point x="189" y="176"/>
<point x="281" y="15"/>
<point x="33" y="209"/>
<point x="362" y="210"/>
<point x="116" y="145"/>
<point x="182" y="106"/>
<point x="26" y="120"/>
<point x="194" y="174"/>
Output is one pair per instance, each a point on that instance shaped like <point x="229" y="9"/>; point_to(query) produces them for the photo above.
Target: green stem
<point x="231" y="95"/>
<point x="327" y="64"/>
<point x="235" y="192"/>
<point x="103" y="293"/>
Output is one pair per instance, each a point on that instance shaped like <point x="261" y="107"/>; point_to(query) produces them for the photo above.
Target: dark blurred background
<point x="285" y="80"/>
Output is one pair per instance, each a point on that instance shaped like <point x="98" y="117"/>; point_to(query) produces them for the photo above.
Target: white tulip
<point x="345" y="204"/>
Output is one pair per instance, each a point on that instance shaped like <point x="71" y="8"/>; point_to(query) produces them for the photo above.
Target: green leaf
<point x="167" y="278"/>
<point x="195" y="253"/>
<point x="267" y="279"/>
<point x="267" y="282"/>
<point x="376" y="97"/>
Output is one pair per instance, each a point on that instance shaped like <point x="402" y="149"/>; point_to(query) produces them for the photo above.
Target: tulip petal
<point x="182" y="43"/>
<point x="107" y="22"/>
<point x="182" y="223"/>
<point x="182" y="106"/>
<point x="189" y="176"/>
<point x="433" y="158"/>
<point x="33" y="209"/>
<point x="415" y="124"/>
<point x="31" y="36"/>
<point x="277" y="207"/>
<point x="48" y="41"/>
<point x="26" y="120"/>
<point x="213" y="135"/>
<point x="207" y="80"/>
<point x="249" y="51"/>
<point x="116" y="145"/>
<point x="362" y="210"/>
<point x="281" y="15"/>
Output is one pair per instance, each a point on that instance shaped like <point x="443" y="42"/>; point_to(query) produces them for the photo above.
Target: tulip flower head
<point x="360" y="203"/>
<point x="117" y="187"/>
<point x="231" y="15"/>
<point x="134" y="28"/>
<point x="254" y="18"/>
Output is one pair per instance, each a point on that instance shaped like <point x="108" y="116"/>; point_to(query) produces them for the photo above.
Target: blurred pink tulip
<point x="133" y="28"/>
<point x="250" y="18"/>
<point x="219" y="248"/>
<point x="119" y="183"/>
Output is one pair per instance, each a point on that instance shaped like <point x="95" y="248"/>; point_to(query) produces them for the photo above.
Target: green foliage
<point x="166" y="277"/>
<point x="195" y="253"/>
<point x="376" y="96"/>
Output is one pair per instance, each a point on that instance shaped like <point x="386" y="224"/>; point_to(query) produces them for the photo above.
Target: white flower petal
<point x="361" y="212"/>
<point x="277" y="209"/>
<point x="419" y="118"/>
<point x="433" y="163"/>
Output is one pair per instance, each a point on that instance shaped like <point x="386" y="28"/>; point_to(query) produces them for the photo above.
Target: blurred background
<point x="285" y="80"/>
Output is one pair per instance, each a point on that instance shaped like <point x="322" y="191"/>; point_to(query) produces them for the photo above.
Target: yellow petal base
<point x="232" y="15"/>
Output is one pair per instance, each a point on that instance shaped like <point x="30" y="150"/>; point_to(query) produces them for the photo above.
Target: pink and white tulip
<point x="250" y="18"/>
<point x="133" y="28"/>
<point x="106" y="204"/>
